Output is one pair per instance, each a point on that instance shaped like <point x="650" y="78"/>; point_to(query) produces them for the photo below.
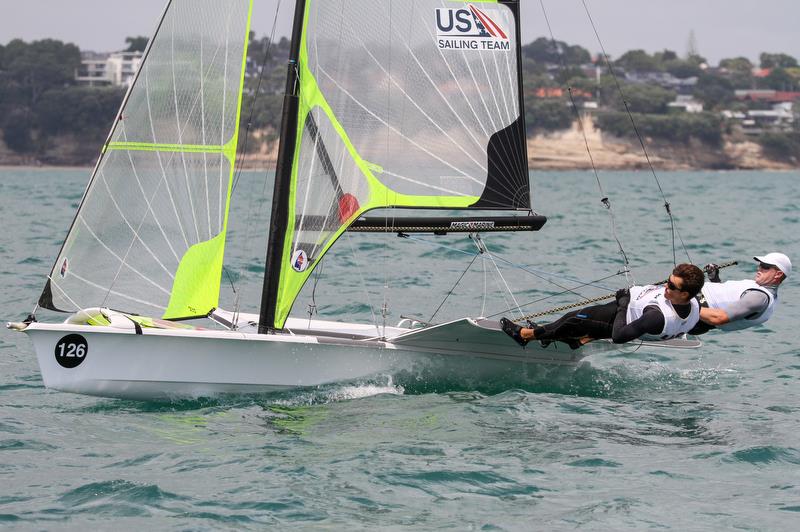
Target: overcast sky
<point x="722" y="28"/>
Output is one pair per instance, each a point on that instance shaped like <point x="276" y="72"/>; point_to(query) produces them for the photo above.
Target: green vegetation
<point x="46" y="117"/>
<point x="40" y="102"/>
<point x="706" y="127"/>
<point x="548" y="115"/>
<point x="782" y="146"/>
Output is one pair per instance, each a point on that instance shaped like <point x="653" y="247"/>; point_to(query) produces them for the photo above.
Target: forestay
<point x="401" y="104"/>
<point x="149" y="235"/>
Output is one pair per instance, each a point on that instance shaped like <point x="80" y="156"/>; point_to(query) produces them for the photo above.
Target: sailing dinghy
<point x="388" y="105"/>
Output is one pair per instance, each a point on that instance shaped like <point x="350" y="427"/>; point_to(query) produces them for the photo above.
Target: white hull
<point x="167" y="363"/>
<point x="174" y="363"/>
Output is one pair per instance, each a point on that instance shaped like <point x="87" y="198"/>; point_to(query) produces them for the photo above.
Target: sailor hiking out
<point x="652" y="312"/>
<point x="736" y="305"/>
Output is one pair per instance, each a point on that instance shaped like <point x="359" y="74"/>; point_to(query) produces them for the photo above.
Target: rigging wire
<point x="249" y="241"/>
<point x="544" y="276"/>
<point x="450" y="292"/>
<point x="481" y="245"/>
<point x="363" y="284"/>
<point x="545" y="298"/>
<point x="604" y="197"/>
<point x="262" y="68"/>
<point x="312" y="307"/>
<point x="667" y="207"/>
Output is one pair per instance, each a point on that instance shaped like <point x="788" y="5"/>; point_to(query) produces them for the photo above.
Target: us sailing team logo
<point x="299" y="261"/>
<point x="470" y="28"/>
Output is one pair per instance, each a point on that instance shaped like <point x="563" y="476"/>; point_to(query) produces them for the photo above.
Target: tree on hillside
<point x="563" y="76"/>
<point x="531" y="67"/>
<point x="682" y="69"/>
<point x="736" y="64"/>
<point x="638" y="61"/>
<point x="696" y="59"/>
<point x="666" y="55"/>
<point x="777" y="61"/>
<point x="136" y="44"/>
<point x="86" y="110"/>
<point x="648" y="99"/>
<point x="547" y="115"/>
<point x="544" y="50"/>
<point x="714" y="91"/>
<point x="740" y="71"/>
<point x="37" y="66"/>
<point x="779" y="79"/>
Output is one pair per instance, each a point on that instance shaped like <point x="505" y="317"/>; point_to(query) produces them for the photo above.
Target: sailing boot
<point x="513" y="330"/>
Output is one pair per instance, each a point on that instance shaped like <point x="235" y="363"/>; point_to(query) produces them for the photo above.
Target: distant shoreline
<point x="566" y="150"/>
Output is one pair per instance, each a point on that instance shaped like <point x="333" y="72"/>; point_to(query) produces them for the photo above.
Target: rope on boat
<point x="581" y="304"/>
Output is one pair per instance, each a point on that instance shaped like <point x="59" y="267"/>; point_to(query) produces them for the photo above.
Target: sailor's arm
<point x="749" y="306"/>
<point x="714" y="316"/>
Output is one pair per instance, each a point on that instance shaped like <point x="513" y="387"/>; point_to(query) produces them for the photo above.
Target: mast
<point x="283" y="176"/>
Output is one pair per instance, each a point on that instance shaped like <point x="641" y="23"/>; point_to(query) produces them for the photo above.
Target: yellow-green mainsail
<point x="311" y="97"/>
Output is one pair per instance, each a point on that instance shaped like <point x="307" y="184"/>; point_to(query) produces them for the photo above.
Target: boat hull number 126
<point x="71" y="350"/>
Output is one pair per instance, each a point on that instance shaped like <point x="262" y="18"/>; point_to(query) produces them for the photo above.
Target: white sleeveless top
<point x="722" y="295"/>
<point x="674" y="325"/>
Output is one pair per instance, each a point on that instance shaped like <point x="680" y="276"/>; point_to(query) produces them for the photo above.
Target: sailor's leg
<point x="593" y="322"/>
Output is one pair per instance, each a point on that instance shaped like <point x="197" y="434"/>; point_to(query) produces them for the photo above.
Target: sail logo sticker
<point x="472" y="225"/>
<point x="469" y="29"/>
<point x="299" y="261"/>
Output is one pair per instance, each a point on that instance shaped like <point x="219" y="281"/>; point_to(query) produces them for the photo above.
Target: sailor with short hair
<point x="736" y="305"/>
<point x="649" y="312"/>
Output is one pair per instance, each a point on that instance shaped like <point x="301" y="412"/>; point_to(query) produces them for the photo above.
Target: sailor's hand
<point x="712" y="270"/>
<point x="623" y="296"/>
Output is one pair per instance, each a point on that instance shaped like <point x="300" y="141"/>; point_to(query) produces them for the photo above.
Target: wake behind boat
<point x="380" y="111"/>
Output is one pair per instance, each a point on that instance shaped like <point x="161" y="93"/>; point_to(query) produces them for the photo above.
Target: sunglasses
<point x="673" y="286"/>
<point x="766" y="267"/>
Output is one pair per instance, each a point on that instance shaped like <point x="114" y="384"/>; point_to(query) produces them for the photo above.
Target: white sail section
<point x="149" y="234"/>
<point x="420" y="87"/>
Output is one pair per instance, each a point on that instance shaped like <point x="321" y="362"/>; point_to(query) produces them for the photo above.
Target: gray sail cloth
<point x="395" y="101"/>
<point x="162" y="184"/>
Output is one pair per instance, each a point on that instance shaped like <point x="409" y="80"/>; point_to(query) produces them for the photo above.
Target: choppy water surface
<point x="702" y="440"/>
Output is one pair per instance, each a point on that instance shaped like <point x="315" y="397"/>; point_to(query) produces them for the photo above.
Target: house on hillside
<point x="687" y="103"/>
<point x="683" y="86"/>
<point x="780" y="117"/>
<point x="767" y="95"/>
<point x="108" y="69"/>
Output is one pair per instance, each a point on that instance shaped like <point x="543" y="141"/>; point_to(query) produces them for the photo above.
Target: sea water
<point x="638" y="439"/>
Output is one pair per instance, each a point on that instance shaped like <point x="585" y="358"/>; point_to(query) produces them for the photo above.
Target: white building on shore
<point x="115" y="68"/>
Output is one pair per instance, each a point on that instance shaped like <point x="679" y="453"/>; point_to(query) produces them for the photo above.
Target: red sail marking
<point x="488" y="23"/>
<point x="348" y="206"/>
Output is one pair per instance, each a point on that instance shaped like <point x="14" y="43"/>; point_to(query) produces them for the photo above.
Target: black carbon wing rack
<point x="444" y="225"/>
